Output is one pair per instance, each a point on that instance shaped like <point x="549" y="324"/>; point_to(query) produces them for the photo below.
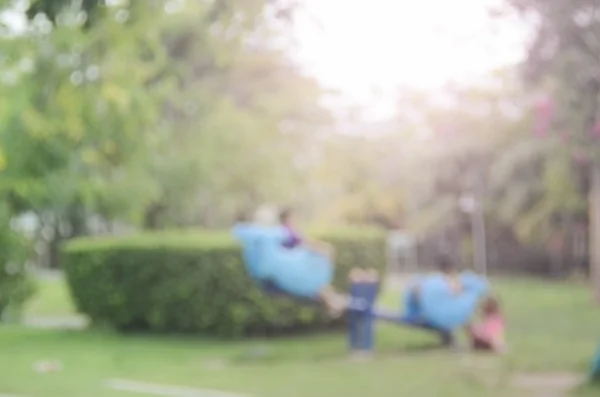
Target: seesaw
<point x="301" y="274"/>
<point x="439" y="310"/>
<point x="363" y="315"/>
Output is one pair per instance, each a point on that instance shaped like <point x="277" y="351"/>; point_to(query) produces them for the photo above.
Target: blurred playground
<point x="299" y="198"/>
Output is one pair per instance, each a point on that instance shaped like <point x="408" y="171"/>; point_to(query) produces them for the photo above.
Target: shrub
<point x="195" y="282"/>
<point x="16" y="284"/>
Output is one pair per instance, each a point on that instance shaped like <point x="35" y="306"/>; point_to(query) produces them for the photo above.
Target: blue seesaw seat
<point x="297" y="272"/>
<point x="441" y="308"/>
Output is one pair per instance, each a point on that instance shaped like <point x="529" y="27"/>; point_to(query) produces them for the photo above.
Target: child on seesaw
<point x="295" y="239"/>
<point x="488" y="332"/>
<point x="446" y="268"/>
<point x="336" y="303"/>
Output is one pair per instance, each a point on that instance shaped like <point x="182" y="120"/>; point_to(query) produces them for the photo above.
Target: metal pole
<point x="472" y="206"/>
<point x="479" y="240"/>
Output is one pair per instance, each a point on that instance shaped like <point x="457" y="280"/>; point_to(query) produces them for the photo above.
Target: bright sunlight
<point x="367" y="48"/>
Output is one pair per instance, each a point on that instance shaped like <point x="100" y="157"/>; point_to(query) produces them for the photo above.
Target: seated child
<point x="488" y="333"/>
<point x="446" y="267"/>
<point x="335" y="301"/>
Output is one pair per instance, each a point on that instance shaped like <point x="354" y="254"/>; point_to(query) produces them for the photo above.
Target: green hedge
<point x="16" y="283"/>
<point x="195" y="282"/>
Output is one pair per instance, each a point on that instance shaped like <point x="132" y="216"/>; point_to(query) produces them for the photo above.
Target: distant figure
<point x="295" y="239"/>
<point x="488" y="332"/>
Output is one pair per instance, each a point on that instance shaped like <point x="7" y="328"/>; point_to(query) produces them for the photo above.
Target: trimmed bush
<point x="16" y="283"/>
<point x="196" y="282"/>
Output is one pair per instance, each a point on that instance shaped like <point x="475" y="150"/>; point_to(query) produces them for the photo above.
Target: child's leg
<point x="447" y="339"/>
<point x="335" y="302"/>
<point x="481" y="344"/>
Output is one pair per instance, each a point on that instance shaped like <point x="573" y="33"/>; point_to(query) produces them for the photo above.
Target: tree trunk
<point x="594" y="203"/>
<point x="76" y="216"/>
<point x="54" y="247"/>
<point x="153" y="216"/>
<point x="479" y="240"/>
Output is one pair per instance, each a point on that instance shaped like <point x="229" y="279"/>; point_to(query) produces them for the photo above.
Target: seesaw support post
<point x="362" y="317"/>
<point x="361" y="323"/>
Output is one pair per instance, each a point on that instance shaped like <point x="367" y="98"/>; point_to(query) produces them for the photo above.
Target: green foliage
<point x="195" y="282"/>
<point x="157" y="113"/>
<point x="148" y="113"/>
<point x="562" y="62"/>
<point x="16" y="284"/>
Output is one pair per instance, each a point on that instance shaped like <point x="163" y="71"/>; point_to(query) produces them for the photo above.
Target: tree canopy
<point x="119" y="115"/>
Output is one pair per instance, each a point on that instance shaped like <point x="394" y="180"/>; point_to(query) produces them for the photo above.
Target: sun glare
<point x="368" y="48"/>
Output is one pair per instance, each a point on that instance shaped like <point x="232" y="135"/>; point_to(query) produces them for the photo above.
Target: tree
<point x="563" y="60"/>
<point x="76" y="127"/>
<point x="230" y="123"/>
<point x="153" y="118"/>
<point x="95" y="10"/>
<point x="473" y="141"/>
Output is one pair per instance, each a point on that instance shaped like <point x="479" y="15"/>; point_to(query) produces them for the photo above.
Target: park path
<point x="132" y="386"/>
<point x="69" y="322"/>
<point x="550" y="384"/>
<point x="49" y="274"/>
<point x="73" y="322"/>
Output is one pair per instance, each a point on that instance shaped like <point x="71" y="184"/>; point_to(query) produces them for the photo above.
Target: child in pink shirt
<point x="488" y="333"/>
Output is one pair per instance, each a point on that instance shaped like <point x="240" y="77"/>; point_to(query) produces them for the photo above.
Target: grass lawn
<point x="553" y="328"/>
